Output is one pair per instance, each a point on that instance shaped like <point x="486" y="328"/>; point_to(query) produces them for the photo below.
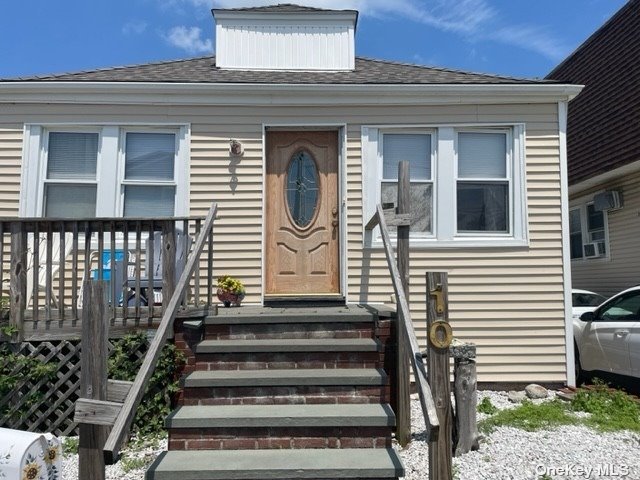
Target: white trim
<point x="444" y="176"/>
<point x="108" y="179"/>
<point x="605" y="177"/>
<point x="154" y="93"/>
<point x="341" y="130"/>
<point x="566" y="248"/>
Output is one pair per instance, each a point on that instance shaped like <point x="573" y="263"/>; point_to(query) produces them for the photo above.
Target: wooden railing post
<point x="403" y="415"/>
<point x="168" y="262"/>
<point x="18" y="279"/>
<point x="440" y="449"/>
<point x="93" y="377"/>
<point x="465" y="430"/>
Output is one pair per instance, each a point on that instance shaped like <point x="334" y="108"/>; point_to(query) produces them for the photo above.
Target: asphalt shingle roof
<point x="603" y="126"/>
<point x="203" y="70"/>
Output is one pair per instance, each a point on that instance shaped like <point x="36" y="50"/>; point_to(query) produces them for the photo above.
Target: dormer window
<point x="285" y="37"/>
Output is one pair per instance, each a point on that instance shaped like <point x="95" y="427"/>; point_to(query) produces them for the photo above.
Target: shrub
<point x="610" y="409"/>
<point x="124" y="364"/>
<point x="487" y="407"/>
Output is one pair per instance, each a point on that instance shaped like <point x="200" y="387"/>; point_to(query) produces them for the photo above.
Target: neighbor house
<point x="297" y="139"/>
<point x="603" y="149"/>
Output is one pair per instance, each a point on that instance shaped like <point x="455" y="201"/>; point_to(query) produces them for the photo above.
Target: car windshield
<point x="587" y="299"/>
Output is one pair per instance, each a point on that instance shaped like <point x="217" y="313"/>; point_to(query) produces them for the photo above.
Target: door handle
<point x="334" y="223"/>
<point x="620" y="333"/>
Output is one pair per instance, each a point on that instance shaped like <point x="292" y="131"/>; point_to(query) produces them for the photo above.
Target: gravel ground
<point x="514" y="454"/>
<point x="132" y="468"/>
<point x="508" y="453"/>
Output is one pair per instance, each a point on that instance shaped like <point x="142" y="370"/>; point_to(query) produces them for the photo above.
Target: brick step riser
<point x="289" y="360"/>
<point x="284" y="395"/>
<point x="278" y="438"/>
<point x="297" y="331"/>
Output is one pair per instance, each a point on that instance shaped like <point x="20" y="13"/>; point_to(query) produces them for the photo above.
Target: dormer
<point x="285" y="37"/>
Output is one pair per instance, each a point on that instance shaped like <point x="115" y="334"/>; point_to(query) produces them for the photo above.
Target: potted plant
<point x="230" y="290"/>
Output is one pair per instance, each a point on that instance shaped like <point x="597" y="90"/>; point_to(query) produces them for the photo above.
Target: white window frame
<point x="432" y="181"/>
<point x="110" y="181"/>
<point x="43" y="159"/>
<point x="508" y="180"/>
<point x="444" y="176"/>
<point x="582" y="205"/>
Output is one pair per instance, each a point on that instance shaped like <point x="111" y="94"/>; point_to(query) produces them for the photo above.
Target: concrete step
<point x="281" y="416"/>
<point x="276" y="464"/>
<point x="262" y="315"/>
<point x="289" y="345"/>
<point x="286" y="378"/>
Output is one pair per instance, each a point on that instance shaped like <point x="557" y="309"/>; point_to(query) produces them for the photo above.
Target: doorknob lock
<point x="334" y="211"/>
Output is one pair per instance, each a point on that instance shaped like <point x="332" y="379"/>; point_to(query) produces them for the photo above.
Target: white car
<point x="608" y="338"/>
<point x="584" y="301"/>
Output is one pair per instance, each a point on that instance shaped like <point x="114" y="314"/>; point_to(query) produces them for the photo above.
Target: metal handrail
<point x="408" y="334"/>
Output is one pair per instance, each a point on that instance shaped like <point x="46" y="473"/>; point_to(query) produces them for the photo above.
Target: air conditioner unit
<point x="594" y="250"/>
<point x="609" y="200"/>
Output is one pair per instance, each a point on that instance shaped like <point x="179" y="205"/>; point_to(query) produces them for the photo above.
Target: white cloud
<point x="189" y="39"/>
<point x="474" y="20"/>
<point x="134" y="28"/>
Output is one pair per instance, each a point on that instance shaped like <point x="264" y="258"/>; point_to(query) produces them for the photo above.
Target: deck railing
<point x="123" y="421"/>
<point x="43" y="263"/>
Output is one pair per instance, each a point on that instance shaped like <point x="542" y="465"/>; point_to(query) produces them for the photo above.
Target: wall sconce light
<point x="235" y="148"/>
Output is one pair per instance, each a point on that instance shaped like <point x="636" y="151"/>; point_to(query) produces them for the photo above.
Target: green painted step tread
<point x="289" y="345"/>
<point x="279" y="416"/>
<point x="286" y="377"/>
<point x="276" y="464"/>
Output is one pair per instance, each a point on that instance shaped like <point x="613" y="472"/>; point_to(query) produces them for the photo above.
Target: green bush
<point x="124" y="364"/>
<point x="529" y="416"/>
<point x="17" y="369"/>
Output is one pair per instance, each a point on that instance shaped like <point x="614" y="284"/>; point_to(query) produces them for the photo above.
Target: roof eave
<point x="287" y="94"/>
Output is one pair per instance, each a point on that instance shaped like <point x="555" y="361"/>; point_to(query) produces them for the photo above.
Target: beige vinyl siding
<point x="621" y="268"/>
<point x="10" y="167"/>
<point x="507" y="300"/>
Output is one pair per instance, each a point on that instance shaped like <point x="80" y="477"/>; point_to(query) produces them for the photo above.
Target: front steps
<point x="283" y="394"/>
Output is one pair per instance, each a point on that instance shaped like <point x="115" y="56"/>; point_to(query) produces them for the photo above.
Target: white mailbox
<point x="29" y="456"/>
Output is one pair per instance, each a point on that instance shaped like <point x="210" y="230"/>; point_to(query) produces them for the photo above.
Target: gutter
<point x="159" y="93"/>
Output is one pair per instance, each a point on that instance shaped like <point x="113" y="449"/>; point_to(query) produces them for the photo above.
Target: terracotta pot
<point x="229" y="298"/>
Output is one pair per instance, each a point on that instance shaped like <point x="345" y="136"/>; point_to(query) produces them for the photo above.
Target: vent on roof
<point x="285" y="39"/>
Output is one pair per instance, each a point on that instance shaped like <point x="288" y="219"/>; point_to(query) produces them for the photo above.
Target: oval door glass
<point x="302" y="188"/>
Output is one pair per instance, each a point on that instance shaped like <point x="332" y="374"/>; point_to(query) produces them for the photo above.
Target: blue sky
<point x="512" y="37"/>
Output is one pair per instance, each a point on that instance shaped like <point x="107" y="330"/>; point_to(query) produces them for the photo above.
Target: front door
<point x="302" y="214"/>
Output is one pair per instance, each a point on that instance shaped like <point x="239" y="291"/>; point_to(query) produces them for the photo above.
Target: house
<point x="317" y="134"/>
<point x="603" y="155"/>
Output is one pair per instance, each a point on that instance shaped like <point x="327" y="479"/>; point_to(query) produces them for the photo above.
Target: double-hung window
<point x="149" y="174"/>
<point x="416" y="148"/>
<point x="70" y="176"/>
<point x="105" y="171"/>
<point x="483" y="183"/>
<point x="467" y="182"/>
<point x="588" y="232"/>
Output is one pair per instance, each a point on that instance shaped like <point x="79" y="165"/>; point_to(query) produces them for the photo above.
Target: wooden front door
<point x="302" y="214"/>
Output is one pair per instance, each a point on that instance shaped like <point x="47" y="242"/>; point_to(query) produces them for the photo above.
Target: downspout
<point x="566" y="252"/>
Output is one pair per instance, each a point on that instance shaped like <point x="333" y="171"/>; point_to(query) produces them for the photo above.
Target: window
<point x="416" y="148"/>
<point x="588" y="233"/>
<point x="105" y="171"/>
<point x="467" y="183"/>
<point x="482" y="203"/>
<point x="575" y="233"/>
<point x="148" y="182"/>
<point x="625" y="307"/>
<point x="70" y="180"/>
<point x="595" y="228"/>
